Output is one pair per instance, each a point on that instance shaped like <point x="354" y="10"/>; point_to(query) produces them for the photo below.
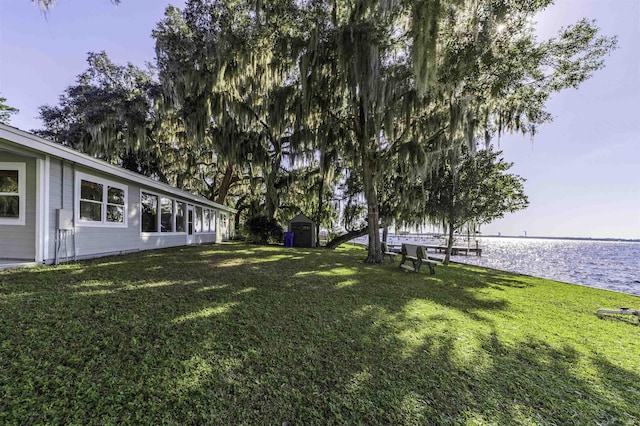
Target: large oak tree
<point x="409" y="81"/>
<point x="383" y="89"/>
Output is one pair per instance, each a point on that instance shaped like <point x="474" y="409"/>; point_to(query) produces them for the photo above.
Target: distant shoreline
<point x="624" y="240"/>
<point x="529" y="237"/>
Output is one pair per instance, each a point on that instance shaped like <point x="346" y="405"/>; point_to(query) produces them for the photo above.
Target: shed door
<point x="301" y="234"/>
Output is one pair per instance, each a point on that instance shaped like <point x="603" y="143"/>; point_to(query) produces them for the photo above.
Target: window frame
<point x="213" y="216"/>
<point x="158" y="215"/>
<point x="174" y="215"/>
<point x="21" y="168"/>
<point x="106" y="184"/>
<point x="172" y="220"/>
<point x="184" y="216"/>
<point x="206" y="221"/>
<point x="213" y="220"/>
<point x="197" y="219"/>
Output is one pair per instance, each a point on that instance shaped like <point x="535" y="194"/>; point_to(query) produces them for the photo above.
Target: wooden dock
<point x="456" y="250"/>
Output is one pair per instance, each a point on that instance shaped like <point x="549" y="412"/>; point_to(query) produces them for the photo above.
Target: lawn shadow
<point x="229" y="334"/>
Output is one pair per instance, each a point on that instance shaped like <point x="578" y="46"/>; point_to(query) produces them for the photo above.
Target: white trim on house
<point x="191" y="224"/>
<point x="42" y="203"/>
<point x="47" y="187"/>
<point x="21" y="168"/>
<point x="33" y="142"/>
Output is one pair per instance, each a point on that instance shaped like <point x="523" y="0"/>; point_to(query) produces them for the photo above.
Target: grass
<point x="240" y="334"/>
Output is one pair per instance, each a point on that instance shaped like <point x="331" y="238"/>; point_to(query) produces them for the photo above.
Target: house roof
<point x="35" y="143"/>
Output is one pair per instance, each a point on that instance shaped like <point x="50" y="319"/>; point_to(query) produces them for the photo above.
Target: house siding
<point x="19" y="241"/>
<point x="93" y="241"/>
<point x="84" y="241"/>
<point x="100" y="240"/>
<point x="60" y="197"/>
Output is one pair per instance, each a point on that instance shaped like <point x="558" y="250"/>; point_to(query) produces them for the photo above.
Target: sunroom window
<point x="198" y="224"/>
<point x="181" y="209"/>
<point x="161" y="214"/>
<point x="149" y="212"/>
<point x="166" y="214"/>
<point x="205" y="221"/>
<point x="213" y="221"/>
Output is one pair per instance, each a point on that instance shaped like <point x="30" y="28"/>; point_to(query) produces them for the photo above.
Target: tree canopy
<point x="310" y="102"/>
<point x="407" y="82"/>
<point x="47" y="4"/>
<point x="108" y="113"/>
<point x="6" y="111"/>
<point x="472" y="188"/>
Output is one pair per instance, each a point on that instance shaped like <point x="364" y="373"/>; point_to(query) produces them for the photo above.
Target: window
<point x="162" y="214"/>
<point x="101" y="202"/>
<point x="149" y="204"/>
<point x="223" y="224"/>
<point x="166" y="214"/>
<point x="91" y="201"/>
<point x="205" y="220"/>
<point x="115" y="205"/>
<point x="213" y="221"/>
<point x="198" y="224"/>
<point x="12" y="193"/>
<point x="181" y="208"/>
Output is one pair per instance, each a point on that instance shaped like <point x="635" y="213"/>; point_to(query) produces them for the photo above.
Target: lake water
<point x="611" y="265"/>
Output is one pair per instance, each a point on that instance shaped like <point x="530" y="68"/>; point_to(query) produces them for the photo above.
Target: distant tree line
<point x="6" y="111"/>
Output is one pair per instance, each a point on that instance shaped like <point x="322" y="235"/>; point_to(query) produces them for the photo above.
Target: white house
<point x="57" y="204"/>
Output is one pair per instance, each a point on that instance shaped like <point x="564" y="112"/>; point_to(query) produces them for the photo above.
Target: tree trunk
<point x="347" y="237"/>
<point x="447" y="256"/>
<point x="272" y="196"/>
<point x="371" y="196"/>
<point x="240" y="207"/>
<point x="237" y="219"/>
<point x="225" y="185"/>
<point x="319" y="215"/>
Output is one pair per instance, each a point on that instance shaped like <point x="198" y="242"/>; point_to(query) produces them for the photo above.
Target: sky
<point x="582" y="170"/>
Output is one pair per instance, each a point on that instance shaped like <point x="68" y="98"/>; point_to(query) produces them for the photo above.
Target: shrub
<point x="263" y="230"/>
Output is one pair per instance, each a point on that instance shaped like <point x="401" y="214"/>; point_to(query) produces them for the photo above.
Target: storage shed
<point x="304" y="231"/>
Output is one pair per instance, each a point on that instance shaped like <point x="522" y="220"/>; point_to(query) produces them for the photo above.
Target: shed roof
<point x="302" y="217"/>
<point x="32" y="142"/>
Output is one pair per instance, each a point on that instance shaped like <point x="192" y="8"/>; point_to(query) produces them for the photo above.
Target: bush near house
<point x="263" y="230"/>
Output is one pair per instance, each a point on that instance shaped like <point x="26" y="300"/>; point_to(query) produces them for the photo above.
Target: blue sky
<point x="582" y="170"/>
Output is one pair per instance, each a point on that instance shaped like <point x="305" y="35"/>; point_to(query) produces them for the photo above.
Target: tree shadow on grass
<point x="495" y="278"/>
<point x="245" y="334"/>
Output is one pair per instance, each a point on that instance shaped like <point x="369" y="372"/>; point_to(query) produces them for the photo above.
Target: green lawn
<point x="241" y="334"/>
